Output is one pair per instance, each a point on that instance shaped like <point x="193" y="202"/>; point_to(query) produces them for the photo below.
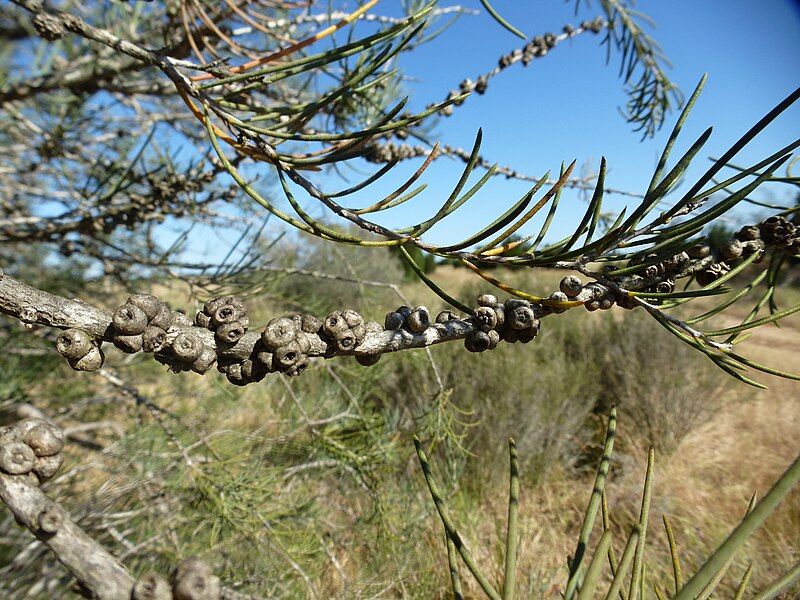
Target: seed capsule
<point x="205" y="361"/>
<point x="50" y="518"/>
<point x="494" y="339"/>
<point x="149" y="304"/>
<point x="93" y="361"/>
<point x="404" y="310"/>
<point x="487" y="300"/>
<point x="445" y="316"/>
<point x="45" y="467"/>
<point x="193" y="580"/>
<point x="699" y="251"/>
<point x="201" y="319"/>
<point x="748" y="233"/>
<point x="345" y="340"/>
<point x="44" y="438"/>
<point x="732" y="249"/>
<point x="367" y="360"/>
<point x="74" y="344"/>
<point x="571" y="286"/>
<point x="129" y="319"/>
<point x="227" y="313"/>
<point x="187" y="347"/>
<point x="16" y="458"/>
<point x="130" y="344"/>
<point x="352" y="318"/>
<point x="419" y="320"/>
<point x="278" y="332"/>
<point x="310" y="324"/>
<point x="334" y="323"/>
<point x="164" y="318"/>
<point x="230" y="333"/>
<point x="477" y="341"/>
<point x="558" y="297"/>
<point x="298" y="367"/>
<point x="394" y="321"/>
<point x="485" y="318"/>
<point x="287" y="355"/>
<point x="151" y="586"/>
<point x="153" y="339"/>
<point x="520" y="317"/>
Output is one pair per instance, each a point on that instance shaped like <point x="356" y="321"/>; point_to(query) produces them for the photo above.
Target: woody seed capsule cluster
<point x="141" y="324"/>
<point x="31" y="448"/>
<point x="286" y="345"/>
<point x="415" y="320"/>
<point x="345" y="328"/>
<point x="226" y="316"/>
<point x="81" y="350"/>
<point x="192" y="579"/>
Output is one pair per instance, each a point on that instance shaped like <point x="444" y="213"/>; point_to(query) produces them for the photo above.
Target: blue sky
<point x="565" y="106"/>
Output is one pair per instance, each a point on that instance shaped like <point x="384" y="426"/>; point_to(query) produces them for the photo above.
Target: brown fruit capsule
<point x="151" y="586"/>
<point x="528" y="335"/>
<point x="8" y="435"/>
<point x="520" y="317"/>
<point x="45" y="439"/>
<point x="50" y="518"/>
<point x="16" y="458"/>
<point x="477" y="341"/>
<point x="345" y="340"/>
<point x="201" y="319"/>
<point x="278" y="332"/>
<point x="445" y="316"/>
<point x="187" y="347"/>
<point x="91" y="362"/>
<point x="509" y="335"/>
<point x="205" y="361"/>
<point x="229" y="333"/>
<point x="419" y="320"/>
<point x="310" y="324"/>
<point x="164" y="318"/>
<point x="485" y="318"/>
<point x="149" y="304"/>
<point x="130" y="344"/>
<point x="227" y="313"/>
<point x="334" y="323"/>
<point x="74" y="344"/>
<point x="45" y="467"/>
<point x="699" y="251"/>
<point x="129" y="319"/>
<point x="394" y="321"/>
<point x="558" y="297"/>
<point x="297" y="368"/>
<point x="367" y="360"/>
<point x="571" y="286"/>
<point x="154" y="339"/>
<point x="287" y="355"/>
<point x="352" y="318"/>
<point x="179" y="319"/>
<point x="732" y="249"/>
<point x="487" y="300"/>
<point x="193" y="580"/>
<point x="494" y="339"/>
<point x="748" y="233"/>
<point x="213" y="304"/>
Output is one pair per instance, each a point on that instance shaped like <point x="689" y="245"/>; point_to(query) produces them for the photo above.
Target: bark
<point x="87" y="560"/>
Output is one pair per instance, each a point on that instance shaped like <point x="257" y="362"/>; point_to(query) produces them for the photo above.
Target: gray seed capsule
<point x="201" y="319"/>
<point x="287" y="355"/>
<point x="50" y="518"/>
<point x="352" y="318"/>
<point x="129" y="319"/>
<point x="45" y="439"/>
<point x="558" y="297"/>
<point x="446" y="316"/>
<point x="74" y="344"/>
<point x="345" y="340"/>
<point x="477" y="341"/>
<point x="419" y="320"/>
<point x="297" y="368"/>
<point x="404" y="310"/>
<point x="571" y="286"/>
<point x="334" y="323"/>
<point x="487" y="300"/>
<point x="521" y="317"/>
<point x="164" y="318"/>
<point x="485" y="318"/>
<point x="310" y="324"/>
<point x="187" y="347"/>
<point x="394" y="321"/>
<point x="151" y="586"/>
<point x="227" y="313"/>
<point x="193" y="580"/>
<point x="149" y="304"/>
<point x="130" y="344"/>
<point x="367" y="360"/>
<point x="732" y="249"/>
<point x="45" y="467"/>
<point x="153" y="339"/>
<point x="230" y="333"/>
<point x="205" y="361"/>
<point x="278" y="332"/>
<point x="93" y="360"/>
<point x="16" y="458"/>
